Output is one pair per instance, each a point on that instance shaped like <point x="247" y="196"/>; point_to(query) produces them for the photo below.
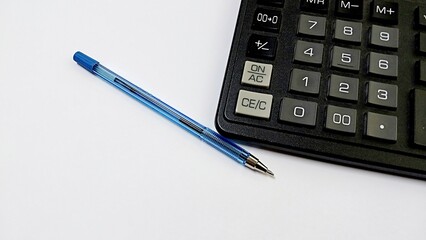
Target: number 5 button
<point x="346" y="58"/>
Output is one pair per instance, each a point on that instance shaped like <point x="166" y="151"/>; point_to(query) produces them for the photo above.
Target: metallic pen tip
<point x="270" y="173"/>
<point x="254" y="163"/>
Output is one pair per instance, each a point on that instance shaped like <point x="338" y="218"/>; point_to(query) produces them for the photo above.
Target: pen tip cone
<point x="270" y="173"/>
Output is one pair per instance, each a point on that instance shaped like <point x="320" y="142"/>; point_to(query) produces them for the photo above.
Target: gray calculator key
<point x="254" y="104"/>
<point x="305" y="81"/>
<point x="383" y="64"/>
<point x="419" y="114"/>
<point x="421" y="71"/>
<point x="382" y="94"/>
<point x="312" y="25"/>
<point x="341" y="119"/>
<point x="298" y="111"/>
<point x="346" y="58"/>
<point x="348" y="31"/>
<point x="382" y="126"/>
<point x="342" y="87"/>
<point x="384" y="36"/>
<point x="308" y="52"/>
<point x="257" y="74"/>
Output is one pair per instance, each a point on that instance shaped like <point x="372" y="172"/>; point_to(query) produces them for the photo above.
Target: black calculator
<point x="342" y="81"/>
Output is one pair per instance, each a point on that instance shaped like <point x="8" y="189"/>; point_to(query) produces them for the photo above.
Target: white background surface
<point x="81" y="160"/>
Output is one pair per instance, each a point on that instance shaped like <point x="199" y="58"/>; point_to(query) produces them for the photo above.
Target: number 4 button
<point x="308" y="52"/>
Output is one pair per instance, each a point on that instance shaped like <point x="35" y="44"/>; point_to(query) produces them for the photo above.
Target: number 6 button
<point x="383" y="64"/>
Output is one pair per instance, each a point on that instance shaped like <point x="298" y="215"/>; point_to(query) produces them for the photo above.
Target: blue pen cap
<point x="85" y="61"/>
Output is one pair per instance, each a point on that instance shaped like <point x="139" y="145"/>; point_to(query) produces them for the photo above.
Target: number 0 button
<point x="298" y="111"/>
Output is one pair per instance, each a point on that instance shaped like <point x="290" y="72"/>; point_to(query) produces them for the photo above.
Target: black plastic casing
<point x="402" y="157"/>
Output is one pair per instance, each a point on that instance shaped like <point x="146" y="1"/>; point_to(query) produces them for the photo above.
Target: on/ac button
<point x="257" y="74"/>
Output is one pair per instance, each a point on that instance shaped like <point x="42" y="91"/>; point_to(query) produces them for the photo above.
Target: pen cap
<point x="85" y="61"/>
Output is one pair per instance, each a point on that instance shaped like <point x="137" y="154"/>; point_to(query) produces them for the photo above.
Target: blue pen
<point x="207" y="135"/>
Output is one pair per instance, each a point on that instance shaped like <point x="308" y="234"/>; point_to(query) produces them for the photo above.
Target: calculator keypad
<point x="346" y="72"/>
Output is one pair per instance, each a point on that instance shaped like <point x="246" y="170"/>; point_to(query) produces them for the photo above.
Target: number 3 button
<point x="382" y="94"/>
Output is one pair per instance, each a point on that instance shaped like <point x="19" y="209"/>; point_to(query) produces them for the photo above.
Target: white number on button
<point x="382" y="94"/>
<point x="309" y="52"/>
<point x="346" y="57"/>
<point x="299" y="112"/>
<point x="348" y="30"/>
<point x="306" y="80"/>
<point x="383" y="64"/>
<point x="341" y="119"/>
<point x="314" y="23"/>
<point x="384" y="36"/>
<point x="344" y="87"/>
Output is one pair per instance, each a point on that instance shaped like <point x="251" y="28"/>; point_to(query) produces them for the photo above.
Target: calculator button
<point x="419" y="117"/>
<point x="314" y="5"/>
<point x="267" y="20"/>
<point x="346" y="58"/>
<point x="254" y="104"/>
<point x="421" y="43"/>
<point x="384" y="36"/>
<point x="276" y="3"/>
<point x="312" y="25"/>
<point x="382" y="94"/>
<point x="308" y="52"/>
<point x="341" y="119"/>
<point x="345" y="88"/>
<point x="348" y="31"/>
<point x="304" y="81"/>
<point x="385" y="12"/>
<point x="350" y="8"/>
<point x="262" y="47"/>
<point x="383" y="64"/>
<point x="381" y="126"/>
<point x="421" y="71"/>
<point x="257" y="74"/>
<point x="421" y="17"/>
<point x="298" y="111"/>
